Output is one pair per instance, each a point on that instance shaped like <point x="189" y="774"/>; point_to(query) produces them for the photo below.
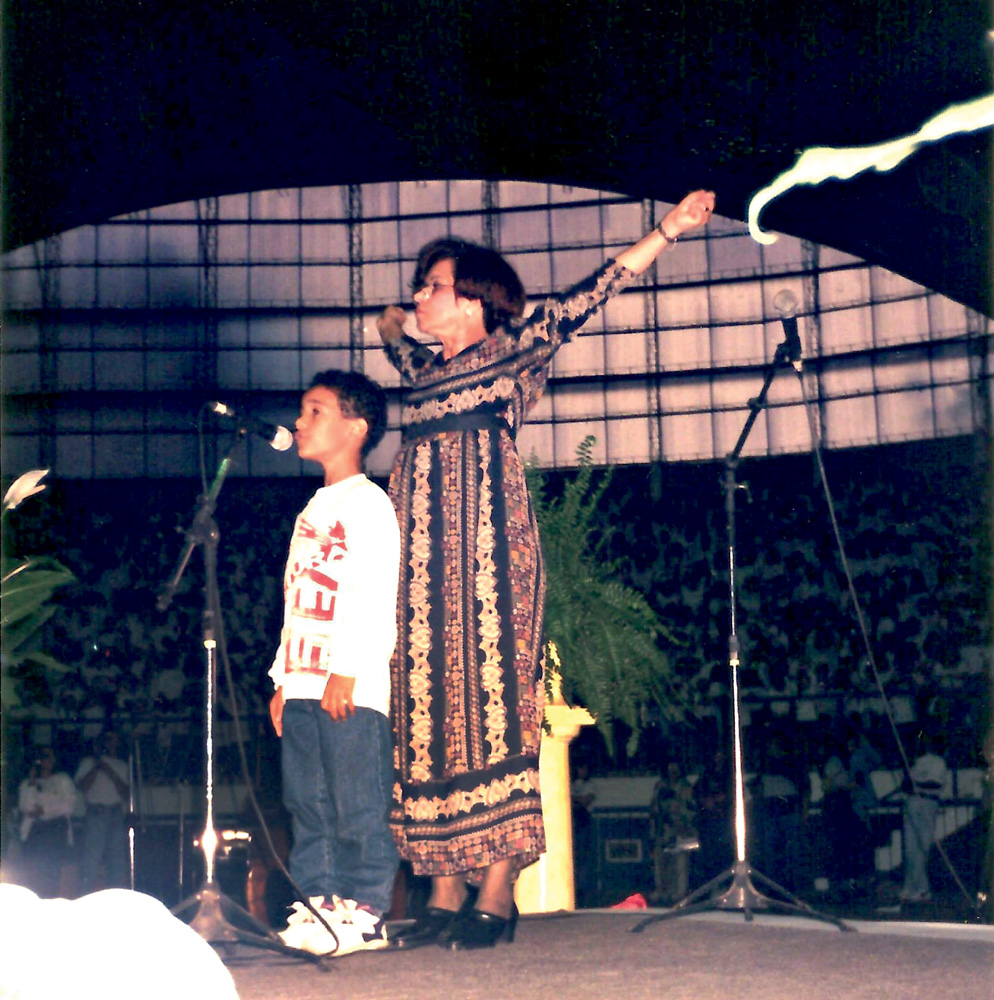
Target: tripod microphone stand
<point x="741" y="892"/>
<point x="218" y="919"/>
<point x="136" y="812"/>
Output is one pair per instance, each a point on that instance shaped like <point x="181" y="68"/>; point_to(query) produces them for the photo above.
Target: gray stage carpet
<point x="592" y="954"/>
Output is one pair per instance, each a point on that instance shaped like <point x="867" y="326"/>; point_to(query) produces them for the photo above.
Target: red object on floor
<point x="636" y="901"/>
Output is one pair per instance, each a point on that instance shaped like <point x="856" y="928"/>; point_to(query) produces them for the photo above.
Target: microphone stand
<point x="741" y="893"/>
<point x="218" y="919"/>
<point x="136" y="810"/>
<point x="131" y="819"/>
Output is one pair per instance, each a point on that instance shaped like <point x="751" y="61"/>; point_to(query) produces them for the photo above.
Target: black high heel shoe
<point x="426" y="929"/>
<point x="479" y="929"/>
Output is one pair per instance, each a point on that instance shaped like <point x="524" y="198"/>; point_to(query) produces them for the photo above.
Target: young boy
<point x="332" y="677"/>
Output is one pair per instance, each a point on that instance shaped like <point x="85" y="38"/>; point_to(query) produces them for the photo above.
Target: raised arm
<point x="692" y="212"/>
<point x="390" y="324"/>
<point x="560" y="317"/>
<point x="405" y="353"/>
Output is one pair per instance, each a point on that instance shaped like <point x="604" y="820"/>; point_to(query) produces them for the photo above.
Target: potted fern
<point x="603" y="636"/>
<point x="603" y="655"/>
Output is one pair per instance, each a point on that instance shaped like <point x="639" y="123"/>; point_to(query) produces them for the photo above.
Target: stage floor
<point x="593" y="954"/>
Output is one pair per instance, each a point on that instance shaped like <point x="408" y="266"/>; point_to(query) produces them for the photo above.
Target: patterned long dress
<point x="467" y="696"/>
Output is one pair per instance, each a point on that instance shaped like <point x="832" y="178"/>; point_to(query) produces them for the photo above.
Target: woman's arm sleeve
<point x="558" y="319"/>
<point x="408" y="356"/>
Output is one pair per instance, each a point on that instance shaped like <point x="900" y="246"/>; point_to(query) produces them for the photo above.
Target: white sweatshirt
<point x="340" y="595"/>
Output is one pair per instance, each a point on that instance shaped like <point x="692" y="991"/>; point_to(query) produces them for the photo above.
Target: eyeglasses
<point x="427" y="291"/>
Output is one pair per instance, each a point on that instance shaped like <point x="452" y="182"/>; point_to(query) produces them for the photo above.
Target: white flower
<point x="24" y="487"/>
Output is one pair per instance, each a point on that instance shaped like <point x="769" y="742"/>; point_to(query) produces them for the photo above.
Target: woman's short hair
<point x="480" y="273"/>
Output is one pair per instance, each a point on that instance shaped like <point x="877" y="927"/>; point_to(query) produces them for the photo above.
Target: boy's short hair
<point x="358" y="396"/>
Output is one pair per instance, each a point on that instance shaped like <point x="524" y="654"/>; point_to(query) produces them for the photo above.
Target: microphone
<point x="278" y="436"/>
<point x="785" y="304"/>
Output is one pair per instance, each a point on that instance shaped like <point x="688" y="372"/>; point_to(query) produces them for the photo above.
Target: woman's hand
<point x="692" y="212"/>
<point x="390" y="323"/>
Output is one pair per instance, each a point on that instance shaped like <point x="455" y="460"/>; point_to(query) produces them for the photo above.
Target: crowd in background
<point x="914" y="552"/>
<point x="813" y="824"/>
<point x="76" y="822"/>
<point x="811" y="827"/>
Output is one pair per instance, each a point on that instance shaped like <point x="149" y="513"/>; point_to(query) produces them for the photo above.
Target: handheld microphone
<point x="785" y="304"/>
<point x="278" y="437"/>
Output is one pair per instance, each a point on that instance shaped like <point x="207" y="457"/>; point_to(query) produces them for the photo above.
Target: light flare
<point x="821" y="163"/>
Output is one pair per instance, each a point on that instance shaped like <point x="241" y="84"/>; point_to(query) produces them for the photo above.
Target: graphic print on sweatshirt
<point x="313" y="570"/>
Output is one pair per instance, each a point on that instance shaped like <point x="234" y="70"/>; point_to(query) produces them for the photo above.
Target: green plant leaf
<point x="28" y="586"/>
<point x="609" y="639"/>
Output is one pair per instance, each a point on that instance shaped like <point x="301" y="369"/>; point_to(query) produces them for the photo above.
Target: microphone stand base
<point x="743" y="896"/>
<point x="222" y="923"/>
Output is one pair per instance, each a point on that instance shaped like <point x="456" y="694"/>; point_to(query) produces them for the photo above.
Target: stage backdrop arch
<point x="115" y="334"/>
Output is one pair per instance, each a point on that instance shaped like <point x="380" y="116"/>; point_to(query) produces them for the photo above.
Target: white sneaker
<point x="357" y="929"/>
<point x="301" y="922"/>
<point x="352" y="928"/>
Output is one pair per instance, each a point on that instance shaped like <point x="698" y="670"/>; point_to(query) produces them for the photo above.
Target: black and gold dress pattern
<point x="467" y="698"/>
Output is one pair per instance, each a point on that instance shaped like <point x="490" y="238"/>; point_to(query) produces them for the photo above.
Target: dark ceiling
<point x="116" y="105"/>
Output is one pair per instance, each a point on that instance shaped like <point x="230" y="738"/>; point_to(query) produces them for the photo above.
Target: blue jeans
<point x="337" y="780"/>
<point x="105" y="841"/>
<point x="917" y="839"/>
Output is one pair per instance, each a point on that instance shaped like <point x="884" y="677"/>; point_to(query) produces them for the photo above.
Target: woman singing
<point x="467" y="670"/>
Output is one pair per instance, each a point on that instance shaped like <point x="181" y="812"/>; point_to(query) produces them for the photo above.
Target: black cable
<point x="214" y="599"/>
<point x="861" y="621"/>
